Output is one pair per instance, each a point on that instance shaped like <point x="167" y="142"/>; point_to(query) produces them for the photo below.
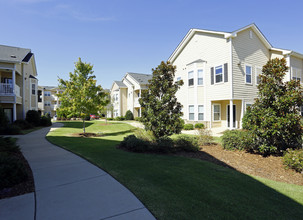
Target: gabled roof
<point x="226" y="35"/>
<point x="14" y="54"/>
<point x="120" y="84"/>
<point x="140" y="78"/>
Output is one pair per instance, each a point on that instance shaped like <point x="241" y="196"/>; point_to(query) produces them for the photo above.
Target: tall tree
<point x="274" y="118"/>
<point x="161" y="112"/>
<point x="81" y="96"/>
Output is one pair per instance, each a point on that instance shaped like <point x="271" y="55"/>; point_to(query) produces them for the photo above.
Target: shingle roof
<point x="141" y="78"/>
<point x="14" y="54"/>
<point x="120" y="84"/>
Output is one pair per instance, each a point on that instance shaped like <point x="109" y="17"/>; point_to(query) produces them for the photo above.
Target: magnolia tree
<point x="161" y="112"/>
<point x="81" y="96"/>
<point x="274" y="119"/>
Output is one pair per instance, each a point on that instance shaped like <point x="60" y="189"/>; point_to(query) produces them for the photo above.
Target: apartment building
<point x="125" y="94"/>
<point x="48" y="101"/>
<point x="18" y="82"/>
<point x="220" y="72"/>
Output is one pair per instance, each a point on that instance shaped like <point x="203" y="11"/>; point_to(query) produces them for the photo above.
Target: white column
<point x="242" y="112"/>
<point x="14" y="80"/>
<point x="211" y="115"/>
<point x="23" y="92"/>
<point x="14" y="112"/>
<point x="196" y="91"/>
<point x="231" y="115"/>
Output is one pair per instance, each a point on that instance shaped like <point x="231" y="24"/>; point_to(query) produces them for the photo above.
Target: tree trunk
<point x="84" y="126"/>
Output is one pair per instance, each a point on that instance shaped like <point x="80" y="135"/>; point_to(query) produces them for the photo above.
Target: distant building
<point x="48" y="101"/>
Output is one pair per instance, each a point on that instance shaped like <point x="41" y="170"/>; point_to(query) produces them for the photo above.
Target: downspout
<point x="231" y="86"/>
<point x="23" y="91"/>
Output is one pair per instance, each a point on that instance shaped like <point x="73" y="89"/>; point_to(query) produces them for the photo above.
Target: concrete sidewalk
<point x="68" y="187"/>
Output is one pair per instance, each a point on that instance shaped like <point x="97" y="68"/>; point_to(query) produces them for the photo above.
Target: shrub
<point x="132" y="143"/>
<point x="137" y="118"/>
<point x="110" y="119"/>
<point x="163" y="145"/>
<point x="199" y="125"/>
<point x="33" y="117"/>
<point x="3" y="118"/>
<point x="145" y="135"/>
<point x="238" y="139"/>
<point x="8" y="145"/>
<point x="188" y="127"/>
<point x="12" y="171"/>
<point x="120" y="118"/>
<point x="45" y="121"/>
<point x="294" y="159"/>
<point x="23" y="124"/>
<point x="10" y="130"/>
<point x="186" y="143"/>
<point x="129" y="115"/>
<point x="205" y="137"/>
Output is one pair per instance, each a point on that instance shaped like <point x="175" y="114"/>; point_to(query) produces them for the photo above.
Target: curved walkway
<point x="68" y="187"/>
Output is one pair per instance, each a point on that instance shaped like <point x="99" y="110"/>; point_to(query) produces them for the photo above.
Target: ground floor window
<point x="201" y="113"/>
<point x="191" y="111"/>
<point x="217" y="112"/>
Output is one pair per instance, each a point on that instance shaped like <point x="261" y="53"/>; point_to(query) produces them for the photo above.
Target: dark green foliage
<point x="120" y="118"/>
<point x="188" y="127"/>
<point x="294" y="159"/>
<point x="33" y="117"/>
<point x="163" y="145"/>
<point x="132" y="143"/>
<point x="10" y="130"/>
<point x="199" y="125"/>
<point x="45" y="121"/>
<point x="205" y="137"/>
<point x="274" y="119"/>
<point x="87" y="118"/>
<point x="129" y="115"/>
<point x="3" y="118"/>
<point x="47" y="115"/>
<point x="110" y="119"/>
<point x="186" y="143"/>
<point x="237" y="140"/>
<point x="137" y="118"/>
<point x="161" y="111"/>
<point x="23" y="124"/>
<point x="8" y="145"/>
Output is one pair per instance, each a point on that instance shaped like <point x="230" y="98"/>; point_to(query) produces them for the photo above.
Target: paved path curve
<point x="68" y="187"/>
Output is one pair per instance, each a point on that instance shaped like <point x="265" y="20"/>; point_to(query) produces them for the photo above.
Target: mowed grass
<point x="174" y="187"/>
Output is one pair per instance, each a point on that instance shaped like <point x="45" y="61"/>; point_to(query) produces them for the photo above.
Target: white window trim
<point x="178" y="78"/>
<point x="295" y="69"/>
<point x="247" y="83"/>
<point x="191" y="78"/>
<point x="213" y="113"/>
<point x="217" y="83"/>
<point x="191" y="113"/>
<point x="202" y="113"/>
<point x="256" y="73"/>
<point x="247" y="103"/>
<point x="202" y="77"/>
<point x="34" y="89"/>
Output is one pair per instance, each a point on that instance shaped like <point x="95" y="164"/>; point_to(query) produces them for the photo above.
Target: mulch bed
<point x="21" y="188"/>
<point x="253" y="164"/>
<point x="86" y="135"/>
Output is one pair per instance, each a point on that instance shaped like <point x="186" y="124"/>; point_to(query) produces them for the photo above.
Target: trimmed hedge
<point x="23" y="124"/>
<point x="129" y="115"/>
<point x="33" y="117"/>
<point x="199" y="125"/>
<point x="294" y="159"/>
<point x="237" y="140"/>
<point x="188" y="127"/>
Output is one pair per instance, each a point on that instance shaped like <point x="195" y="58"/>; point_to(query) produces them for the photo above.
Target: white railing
<point x="7" y="88"/>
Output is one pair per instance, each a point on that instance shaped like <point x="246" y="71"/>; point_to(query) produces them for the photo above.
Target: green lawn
<point x="175" y="187"/>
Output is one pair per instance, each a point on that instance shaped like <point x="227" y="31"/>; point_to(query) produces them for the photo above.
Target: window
<point x="178" y="78"/>
<point x="116" y="97"/>
<point x="217" y="112"/>
<point x="191" y="78"/>
<point x="47" y="93"/>
<point x="47" y="103"/>
<point x="258" y="73"/>
<point x="33" y="89"/>
<point x="248" y="74"/>
<point x="296" y="73"/>
<point x="191" y="110"/>
<point x="219" y="74"/>
<point x="201" y="113"/>
<point x="247" y="105"/>
<point x="200" y="77"/>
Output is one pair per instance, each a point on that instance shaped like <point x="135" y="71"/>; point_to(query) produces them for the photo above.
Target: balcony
<point x="7" y="89"/>
<point x="136" y="102"/>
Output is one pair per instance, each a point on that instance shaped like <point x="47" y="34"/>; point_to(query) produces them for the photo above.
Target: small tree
<point x="81" y="96"/>
<point x="274" y="119"/>
<point x="129" y="115"/>
<point x="161" y="112"/>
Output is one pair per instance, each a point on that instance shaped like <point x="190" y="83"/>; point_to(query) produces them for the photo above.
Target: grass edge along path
<point x="174" y="187"/>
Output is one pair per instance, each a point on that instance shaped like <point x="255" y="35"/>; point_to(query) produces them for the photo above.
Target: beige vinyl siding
<point x="6" y="65"/>
<point x="123" y="94"/>
<point x="215" y="50"/>
<point x="276" y="54"/>
<point x="296" y="62"/>
<point x="250" y="51"/>
<point x="9" y="99"/>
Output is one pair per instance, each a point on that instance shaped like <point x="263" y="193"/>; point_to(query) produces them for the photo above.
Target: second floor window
<point x="33" y="89"/>
<point x="200" y="77"/>
<point x="191" y="78"/>
<point x="47" y="103"/>
<point x="248" y="73"/>
<point x="219" y="74"/>
<point x="258" y="73"/>
<point x="296" y="73"/>
<point x="47" y="93"/>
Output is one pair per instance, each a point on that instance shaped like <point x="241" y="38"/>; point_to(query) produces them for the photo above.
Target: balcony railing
<point x="7" y="89"/>
<point x="136" y="102"/>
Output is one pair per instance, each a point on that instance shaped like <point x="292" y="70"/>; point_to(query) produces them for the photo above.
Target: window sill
<point x="249" y="84"/>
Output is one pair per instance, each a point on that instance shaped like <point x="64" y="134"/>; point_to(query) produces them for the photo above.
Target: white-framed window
<point x="191" y="112"/>
<point x="219" y="74"/>
<point x="201" y="112"/>
<point x="247" y="105"/>
<point x="216" y="112"/>
<point x="33" y="89"/>
<point x="296" y="74"/>
<point x="190" y="78"/>
<point x="258" y="73"/>
<point x="200" y="77"/>
<point x="248" y="74"/>
<point x="178" y="78"/>
<point x="47" y="93"/>
<point x="47" y="103"/>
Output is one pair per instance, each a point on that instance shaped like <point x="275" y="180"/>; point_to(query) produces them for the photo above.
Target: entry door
<point x="234" y="116"/>
<point x="9" y="114"/>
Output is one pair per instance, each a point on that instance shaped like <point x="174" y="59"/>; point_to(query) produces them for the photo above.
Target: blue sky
<point x="119" y="36"/>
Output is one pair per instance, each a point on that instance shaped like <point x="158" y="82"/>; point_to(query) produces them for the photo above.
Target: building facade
<point x="220" y="72"/>
<point x="18" y="82"/>
<point x="48" y="101"/>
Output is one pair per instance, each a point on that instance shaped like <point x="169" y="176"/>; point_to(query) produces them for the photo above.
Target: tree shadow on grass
<point x="76" y="124"/>
<point x="185" y="188"/>
<point x="129" y="131"/>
